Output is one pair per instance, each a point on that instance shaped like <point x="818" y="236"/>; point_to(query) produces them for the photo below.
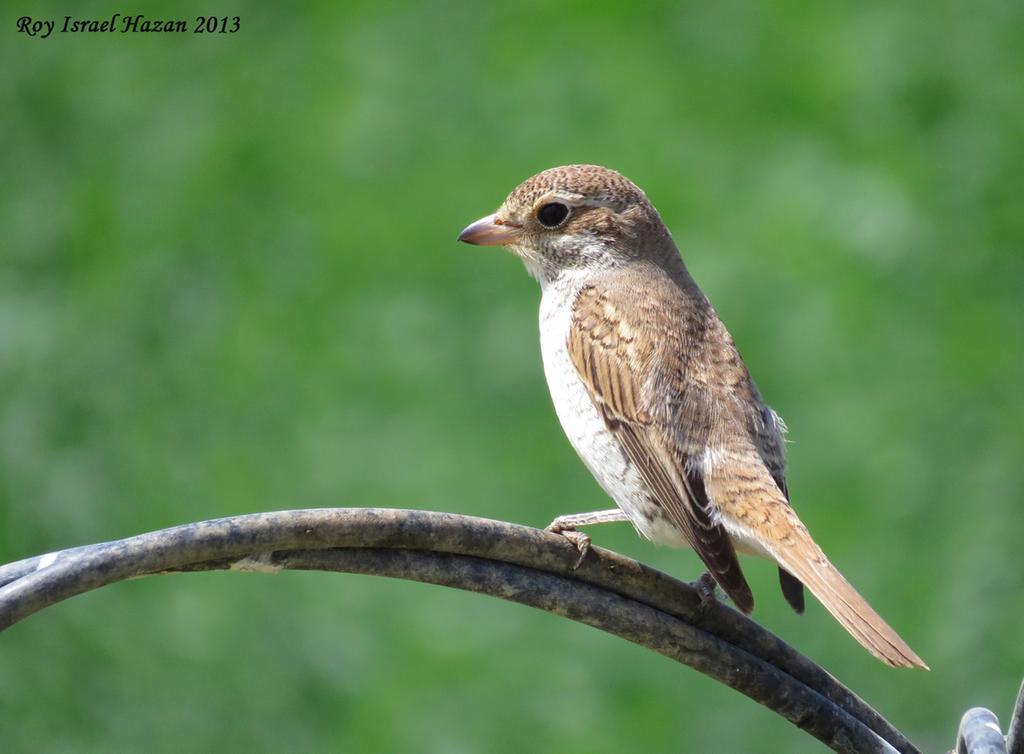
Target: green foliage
<point x="229" y="283"/>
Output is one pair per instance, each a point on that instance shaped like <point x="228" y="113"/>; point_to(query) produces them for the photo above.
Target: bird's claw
<point x="579" y="540"/>
<point x="705" y="587"/>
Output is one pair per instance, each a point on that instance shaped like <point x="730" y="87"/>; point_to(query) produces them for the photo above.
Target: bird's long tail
<point x="809" y="564"/>
<point x="755" y="512"/>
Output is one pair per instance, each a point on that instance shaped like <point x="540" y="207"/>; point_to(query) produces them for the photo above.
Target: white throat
<point x="568" y="261"/>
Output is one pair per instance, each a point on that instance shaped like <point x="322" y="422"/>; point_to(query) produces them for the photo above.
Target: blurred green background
<point x="229" y="283"/>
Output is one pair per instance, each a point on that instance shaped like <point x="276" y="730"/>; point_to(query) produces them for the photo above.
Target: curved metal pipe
<point x="533" y="567"/>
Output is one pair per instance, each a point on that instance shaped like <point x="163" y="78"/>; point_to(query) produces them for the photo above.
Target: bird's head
<point x="574" y="217"/>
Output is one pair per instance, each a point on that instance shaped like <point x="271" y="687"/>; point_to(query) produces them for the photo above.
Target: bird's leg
<point x="706" y="586"/>
<point x="567" y="527"/>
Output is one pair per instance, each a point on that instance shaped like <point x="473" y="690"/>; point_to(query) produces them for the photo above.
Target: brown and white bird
<point x="654" y="397"/>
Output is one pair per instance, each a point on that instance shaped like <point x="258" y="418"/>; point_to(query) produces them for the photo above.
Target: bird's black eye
<point x="552" y="215"/>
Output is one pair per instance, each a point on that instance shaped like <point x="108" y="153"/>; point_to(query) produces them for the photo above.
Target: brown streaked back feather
<point x="615" y="368"/>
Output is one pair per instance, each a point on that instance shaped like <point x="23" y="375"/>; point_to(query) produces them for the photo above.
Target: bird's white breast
<point x="583" y="424"/>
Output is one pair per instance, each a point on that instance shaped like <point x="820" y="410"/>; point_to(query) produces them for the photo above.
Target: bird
<point x="655" y="398"/>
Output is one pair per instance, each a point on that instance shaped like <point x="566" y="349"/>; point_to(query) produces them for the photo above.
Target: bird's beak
<point x="490" y="231"/>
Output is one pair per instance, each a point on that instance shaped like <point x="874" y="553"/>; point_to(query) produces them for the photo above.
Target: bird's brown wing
<point x="617" y="369"/>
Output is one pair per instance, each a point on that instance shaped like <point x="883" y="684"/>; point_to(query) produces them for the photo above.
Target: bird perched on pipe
<point x="653" y="395"/>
